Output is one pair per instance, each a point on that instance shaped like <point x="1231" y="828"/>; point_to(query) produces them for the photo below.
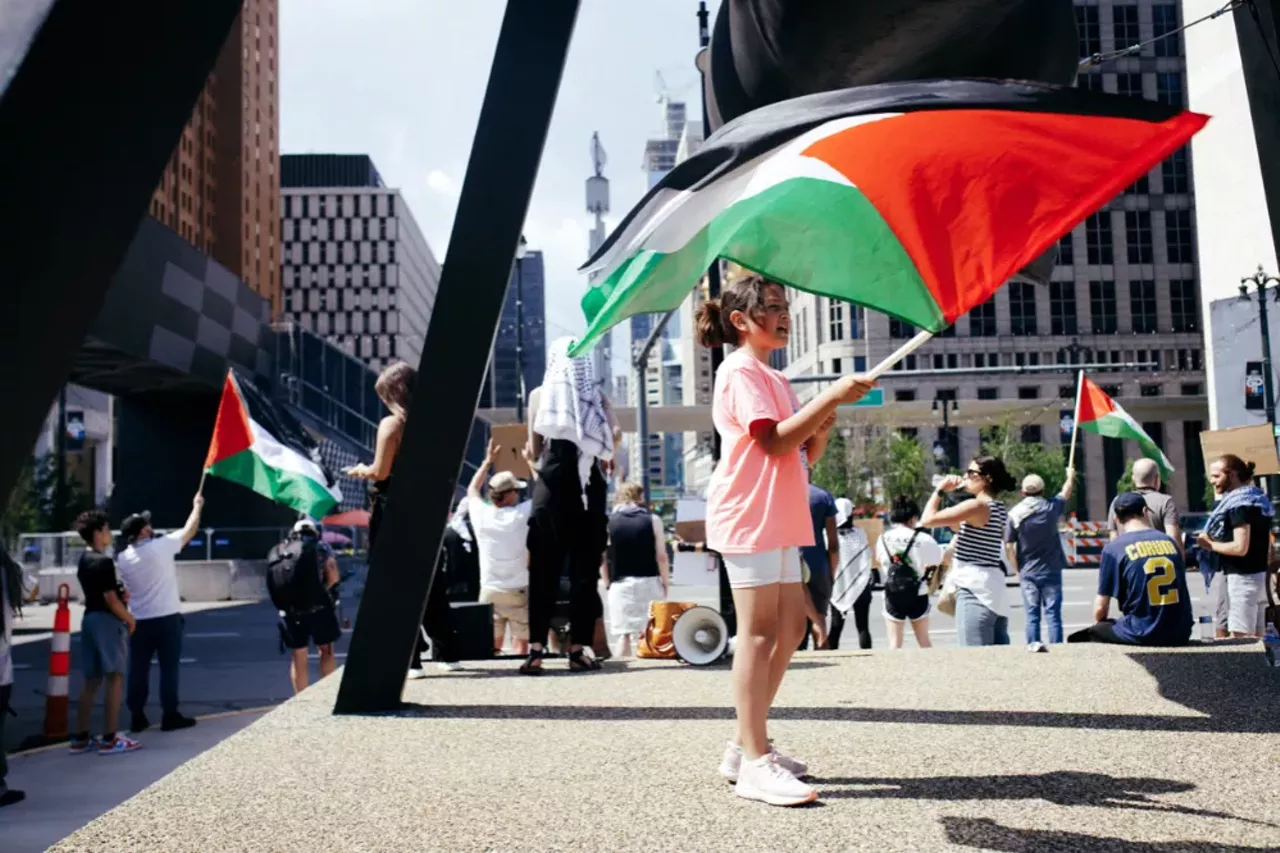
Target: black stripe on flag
<point x="770" y="127"/>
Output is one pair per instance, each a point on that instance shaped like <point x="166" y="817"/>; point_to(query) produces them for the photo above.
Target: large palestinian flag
<point x="245" y="451"/>
<point x="1102" y="415"/>
<point x="917" y="199"/>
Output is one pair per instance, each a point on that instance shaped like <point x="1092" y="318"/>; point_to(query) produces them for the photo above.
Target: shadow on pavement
<point x="986" y="834"/>
<point x="1062" y="788"/>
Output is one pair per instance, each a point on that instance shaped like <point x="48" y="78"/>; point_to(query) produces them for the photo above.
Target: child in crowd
<point x="758" y="516"/>
<point x="104" y="639"/>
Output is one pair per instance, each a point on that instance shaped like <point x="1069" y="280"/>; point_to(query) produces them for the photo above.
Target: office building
<point x="1234" y="231"/>
<point x="664" y="371"/>
<point x="1124" y="290"/>
<point x="502" y="381"/>
<point x="356" y="268"/>
<point x="221" y="188"/>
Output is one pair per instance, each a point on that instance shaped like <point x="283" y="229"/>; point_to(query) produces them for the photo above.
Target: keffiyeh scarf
<point x="571" y="407"/>
<point x="1238" y="498"/>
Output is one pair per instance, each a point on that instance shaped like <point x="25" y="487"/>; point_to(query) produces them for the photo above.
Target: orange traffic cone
<point x="55" y="701"/>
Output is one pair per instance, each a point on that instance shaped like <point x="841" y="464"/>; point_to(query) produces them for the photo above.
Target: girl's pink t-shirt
<point x="755" y="502"/>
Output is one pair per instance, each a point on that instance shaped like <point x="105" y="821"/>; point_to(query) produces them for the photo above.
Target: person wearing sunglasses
<point x="977" y="568"/>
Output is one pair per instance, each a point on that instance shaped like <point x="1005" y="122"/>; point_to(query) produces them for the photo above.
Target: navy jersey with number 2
<point x="1143" y="571"/>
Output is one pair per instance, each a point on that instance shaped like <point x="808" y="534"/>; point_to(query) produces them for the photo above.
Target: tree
<point x="1125" y="483"/>
<point x="831" y="472"/>
<point x="22" y="510"/>
<point x="904" y="467"/>
<point x="1023" y="457"/>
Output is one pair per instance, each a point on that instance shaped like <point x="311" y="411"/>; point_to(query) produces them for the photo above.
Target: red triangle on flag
<point x="1094" y="402"/>
<point x="231" y="431"/>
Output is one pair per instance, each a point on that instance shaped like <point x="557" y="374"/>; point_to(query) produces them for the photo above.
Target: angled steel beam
<point x="514" y="119"/>
<point x="93" y="99"/>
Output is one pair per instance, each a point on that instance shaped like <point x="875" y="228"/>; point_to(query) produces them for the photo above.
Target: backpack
<point x="902" y="581"/>
<point x="293" y="575"/>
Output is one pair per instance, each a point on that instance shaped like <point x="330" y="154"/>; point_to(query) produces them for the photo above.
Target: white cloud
<point x="442" y="183"/>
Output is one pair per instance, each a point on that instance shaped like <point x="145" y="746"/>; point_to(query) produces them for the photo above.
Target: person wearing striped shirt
<point x="977" y="573"/>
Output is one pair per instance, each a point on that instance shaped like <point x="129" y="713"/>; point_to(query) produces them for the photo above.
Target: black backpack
<point x="293" y="575"/>
<point x="902" y="581"/>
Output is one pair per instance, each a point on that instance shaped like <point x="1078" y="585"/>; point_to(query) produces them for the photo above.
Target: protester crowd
<point x="798" y="563"/>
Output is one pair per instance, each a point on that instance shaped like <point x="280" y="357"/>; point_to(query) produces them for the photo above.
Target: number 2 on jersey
<point x="1162" y="576"/>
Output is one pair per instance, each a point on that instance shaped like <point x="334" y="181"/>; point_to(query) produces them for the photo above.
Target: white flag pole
<point x="898" y="355"/>
<point x="1075" y="421"/>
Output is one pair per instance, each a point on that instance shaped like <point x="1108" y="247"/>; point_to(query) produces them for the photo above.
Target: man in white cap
<point x="1032" y="528"/>
<point x="501" y="526"/>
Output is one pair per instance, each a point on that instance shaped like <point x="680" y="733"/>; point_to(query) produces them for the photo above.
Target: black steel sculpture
<point x="527" y="66"/>
<point x="93" y="98"/>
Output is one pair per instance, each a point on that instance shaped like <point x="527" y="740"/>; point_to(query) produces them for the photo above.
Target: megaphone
<point x="700" y="636"/>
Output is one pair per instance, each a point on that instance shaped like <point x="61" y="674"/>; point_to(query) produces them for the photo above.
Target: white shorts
<point x="778" y="566"/>
<point x="1246" y="597"/>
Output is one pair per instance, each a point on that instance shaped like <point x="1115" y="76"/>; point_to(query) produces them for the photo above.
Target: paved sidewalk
<point x="65" y="792"/>
<point x="1087" y="749"/>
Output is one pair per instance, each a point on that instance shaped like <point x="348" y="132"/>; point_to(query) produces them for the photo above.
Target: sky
<point x="403" y="81"/>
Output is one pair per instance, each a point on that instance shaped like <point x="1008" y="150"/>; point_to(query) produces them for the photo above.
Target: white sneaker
<point x="450" y="666"/>
<point x="767" y="781"/>
<point x="416" y="673"/>
<point x="732" y="761"/>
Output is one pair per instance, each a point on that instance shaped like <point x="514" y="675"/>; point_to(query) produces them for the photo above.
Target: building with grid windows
<point x="1124" y="290"/>
<point x="221" y="189"/>
<point x="356" y="269"/>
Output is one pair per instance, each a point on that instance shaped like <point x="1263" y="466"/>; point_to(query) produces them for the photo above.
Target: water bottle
<point x="1206" y="628"/>
<point x="1271" y="644"/>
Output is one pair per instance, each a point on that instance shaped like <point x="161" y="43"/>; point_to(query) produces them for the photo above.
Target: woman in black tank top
<point x="395" y="389"/>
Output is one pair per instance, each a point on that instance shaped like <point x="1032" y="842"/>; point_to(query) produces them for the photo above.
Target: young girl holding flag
<point x="758" y="516"/>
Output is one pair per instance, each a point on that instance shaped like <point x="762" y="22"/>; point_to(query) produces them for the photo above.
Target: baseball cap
<point x="505" y="481"/>
<point x="1130" y="504"/>
<point x="132" y="527"/>
<point x="306" y="525"/>
<point x="1033" y="484"/>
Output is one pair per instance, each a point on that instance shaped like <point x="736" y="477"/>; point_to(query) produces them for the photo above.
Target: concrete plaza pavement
<point x="1087" y="748"/>
<point x="65" y="792"/>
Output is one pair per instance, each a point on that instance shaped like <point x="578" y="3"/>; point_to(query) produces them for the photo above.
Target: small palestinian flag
<point x="917" y="199"/>
<point x="1101" y="415"/>
<point x="244" y="451"/>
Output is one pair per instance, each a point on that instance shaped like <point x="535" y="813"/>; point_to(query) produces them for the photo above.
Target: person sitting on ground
<point x="150" y="574"/>
<point x="303" y="586"/>
<point x="1142" y="570"/>
<point x="907" y="555"/>
<point x="635" y="570"/>
<point x="1162" y="512"/>
<point x="1032" y="529"/>
<point x="104" y="637"/>
<point x="501" y="526"/>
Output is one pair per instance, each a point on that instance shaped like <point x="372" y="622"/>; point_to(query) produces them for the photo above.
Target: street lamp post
<point x="521" y="251"/>
<point x="941" y="449"/>
<point x="1260" y="280"/>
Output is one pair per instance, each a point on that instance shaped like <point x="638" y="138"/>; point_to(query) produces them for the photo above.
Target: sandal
<point x="533" y="663"/>
<point x="579" y="662"/>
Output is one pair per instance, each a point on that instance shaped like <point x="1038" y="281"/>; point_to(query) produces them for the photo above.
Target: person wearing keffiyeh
<point x="1236" y="541"/>
<point x="571" y="444"/>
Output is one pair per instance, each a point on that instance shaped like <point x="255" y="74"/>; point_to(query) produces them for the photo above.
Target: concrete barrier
<point x="198" y="580"/>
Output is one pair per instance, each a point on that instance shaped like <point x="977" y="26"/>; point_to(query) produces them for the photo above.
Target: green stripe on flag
<point x="838" y="245"/>
<point x="1119" y="425"/>
<point x="285" y="487"/>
